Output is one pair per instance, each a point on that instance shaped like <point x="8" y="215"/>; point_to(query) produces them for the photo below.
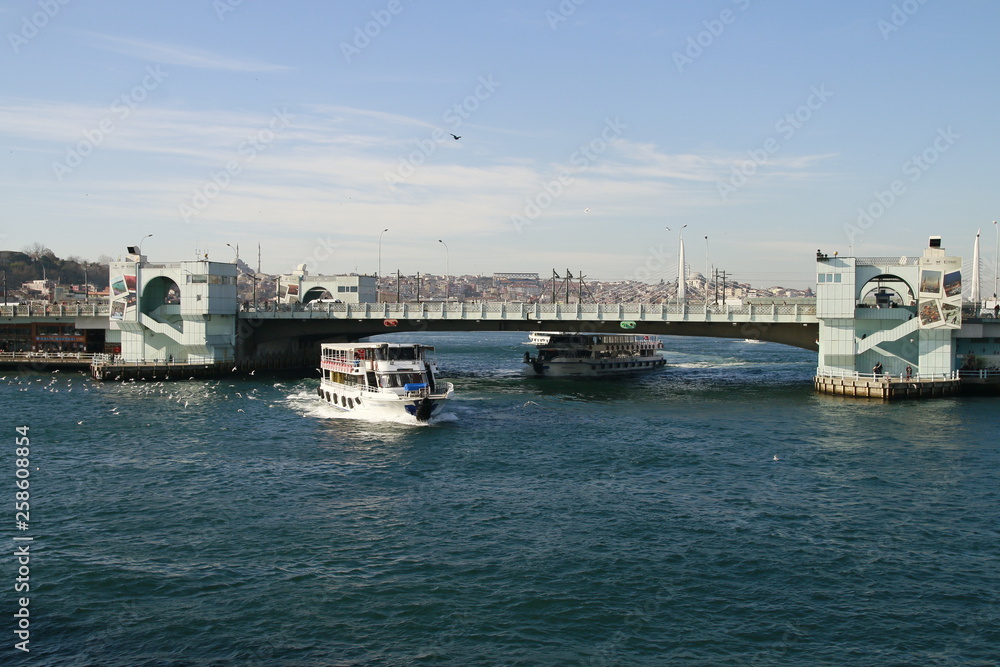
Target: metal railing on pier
<point x="888" y="377"/>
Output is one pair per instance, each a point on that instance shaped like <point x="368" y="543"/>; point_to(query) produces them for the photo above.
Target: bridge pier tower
<point x="179" y="314"/>
<point x="883" y="320"/>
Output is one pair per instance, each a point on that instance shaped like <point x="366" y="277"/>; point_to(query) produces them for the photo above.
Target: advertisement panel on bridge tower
<point x="940" y="293"/>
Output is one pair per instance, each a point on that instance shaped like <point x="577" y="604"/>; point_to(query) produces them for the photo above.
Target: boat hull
<point x="385" y="405"/>
<point x="592" y="368"/>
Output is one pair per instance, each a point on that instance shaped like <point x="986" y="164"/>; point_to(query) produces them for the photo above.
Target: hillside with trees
<point x="36" y="260"/>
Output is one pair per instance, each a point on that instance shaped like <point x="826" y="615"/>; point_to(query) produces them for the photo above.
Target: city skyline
<point x="508" y="138"/>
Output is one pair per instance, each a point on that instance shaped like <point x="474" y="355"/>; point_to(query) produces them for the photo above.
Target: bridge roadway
<point x="298" y="325"/>
<point x="788" y="324"/>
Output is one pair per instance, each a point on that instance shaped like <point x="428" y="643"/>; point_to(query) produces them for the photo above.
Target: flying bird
<point x="455" y="137"/>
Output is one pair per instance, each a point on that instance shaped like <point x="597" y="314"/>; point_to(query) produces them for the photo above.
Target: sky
<point x="594" y="135"/>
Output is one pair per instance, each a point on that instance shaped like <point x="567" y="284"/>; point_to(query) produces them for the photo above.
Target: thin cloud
<point x="179" y="55"/>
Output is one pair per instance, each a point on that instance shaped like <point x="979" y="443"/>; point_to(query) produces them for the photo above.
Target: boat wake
<point x="308" y="405"/>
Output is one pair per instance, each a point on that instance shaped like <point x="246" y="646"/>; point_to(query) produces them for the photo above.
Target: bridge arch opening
<point x="887" y="290"/>
<point x="315" y="294"/>
<point x="159" y="291"/>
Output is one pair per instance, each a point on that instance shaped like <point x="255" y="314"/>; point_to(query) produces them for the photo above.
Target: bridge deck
<point x="772" y="313"/>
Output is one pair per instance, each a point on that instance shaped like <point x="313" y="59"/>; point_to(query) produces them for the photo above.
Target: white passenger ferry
<point x="382" y="380"/>
<point x="566" y="353"/>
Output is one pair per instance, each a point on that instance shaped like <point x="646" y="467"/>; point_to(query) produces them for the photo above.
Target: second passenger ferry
<point x="587" y="354"/>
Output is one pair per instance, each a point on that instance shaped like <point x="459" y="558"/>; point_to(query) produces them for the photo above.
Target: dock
<point x="886" y="387"/>
<point x="45" y="361"/>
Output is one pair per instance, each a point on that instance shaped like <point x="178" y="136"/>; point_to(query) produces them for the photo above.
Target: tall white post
<point x="975" y="272"/>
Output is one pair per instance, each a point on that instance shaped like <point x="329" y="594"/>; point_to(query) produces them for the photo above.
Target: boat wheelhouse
<point x="587" y="354"/>
<point x="382" y="380"/>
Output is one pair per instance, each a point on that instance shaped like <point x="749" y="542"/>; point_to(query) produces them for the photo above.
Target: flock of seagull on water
<point x="169" y="390"/>
<point x="160" y="388"/>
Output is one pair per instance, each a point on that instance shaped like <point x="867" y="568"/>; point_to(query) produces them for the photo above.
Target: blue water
<point x="640" y="521"/>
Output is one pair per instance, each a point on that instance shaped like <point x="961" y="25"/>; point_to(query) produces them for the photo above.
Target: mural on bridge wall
<point x="123" y="301"/>
<point x="940" y="293"/>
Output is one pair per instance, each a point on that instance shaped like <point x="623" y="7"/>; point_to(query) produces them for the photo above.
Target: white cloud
<point x="324" y="174"/>
<point x="178" y="55"/>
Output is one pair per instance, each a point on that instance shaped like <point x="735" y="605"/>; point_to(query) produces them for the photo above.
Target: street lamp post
<point x="447" y="271"/>
<point x="378" y="276"/>
<point x="138" y="296"/>
<point x="236" y="263"/>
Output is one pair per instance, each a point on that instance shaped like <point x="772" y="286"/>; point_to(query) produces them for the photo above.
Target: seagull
<point x="253" y="371"/>
<point x="529" y="403"/>
<point x="455" y="137"/>
<point x="775" y="458"/>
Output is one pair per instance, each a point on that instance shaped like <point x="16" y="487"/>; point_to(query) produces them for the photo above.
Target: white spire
<point x="975" y="269"/>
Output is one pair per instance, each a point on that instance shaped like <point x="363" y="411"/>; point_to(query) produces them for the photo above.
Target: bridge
<point x="903" y="314"/>
<point x="788" y="324"/>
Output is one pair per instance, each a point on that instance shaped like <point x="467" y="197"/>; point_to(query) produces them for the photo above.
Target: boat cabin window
<point x="389" y="380"/>
<point x="401" y="353"/>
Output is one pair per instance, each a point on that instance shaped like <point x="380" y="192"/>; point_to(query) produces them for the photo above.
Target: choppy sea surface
<point x="716" y="512"/>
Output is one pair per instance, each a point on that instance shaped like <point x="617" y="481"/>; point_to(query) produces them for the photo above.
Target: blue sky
<point x="587" y="128"/>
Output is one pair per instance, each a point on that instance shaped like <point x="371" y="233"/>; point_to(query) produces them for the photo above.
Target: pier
<point x="887" y="388"/>
<point x="46" y="361"/>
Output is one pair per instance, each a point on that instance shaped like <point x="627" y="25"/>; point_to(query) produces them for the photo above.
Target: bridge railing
<point x="500" y="310"/>
<point x="56" y="310"/>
